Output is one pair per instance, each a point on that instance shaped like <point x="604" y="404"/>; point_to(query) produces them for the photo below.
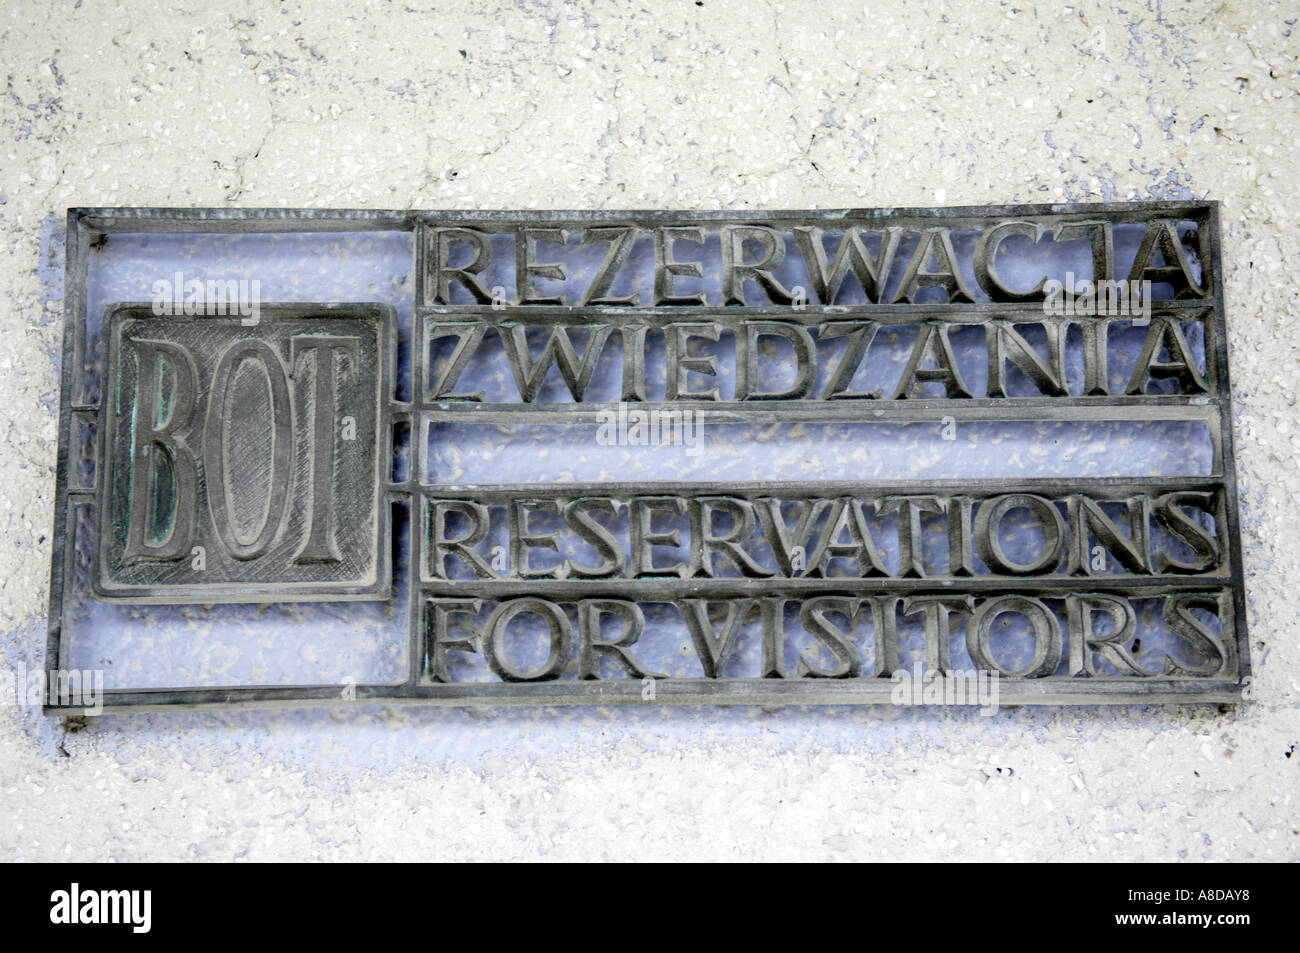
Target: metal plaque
<point x="609" y="457"/>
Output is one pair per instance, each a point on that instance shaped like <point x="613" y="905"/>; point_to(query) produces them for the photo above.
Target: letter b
<point x="164" y="483"/>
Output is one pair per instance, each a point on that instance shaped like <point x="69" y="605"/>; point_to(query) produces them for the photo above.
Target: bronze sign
<point x="288" y="452"/>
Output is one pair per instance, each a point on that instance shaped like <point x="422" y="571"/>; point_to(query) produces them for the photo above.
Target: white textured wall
<point x="720" y="104"/>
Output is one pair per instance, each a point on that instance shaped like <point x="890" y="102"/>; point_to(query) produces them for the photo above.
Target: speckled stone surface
<point x="712" y="105"/>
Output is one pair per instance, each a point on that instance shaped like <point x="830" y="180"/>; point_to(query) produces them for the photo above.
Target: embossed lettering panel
<point x="245" y="462"/>
<point x="648" y="457"/>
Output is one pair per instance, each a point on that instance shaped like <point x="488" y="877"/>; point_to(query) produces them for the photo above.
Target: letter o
<point x="214" y="449"/>
<point x="557" y="624"/>
<point x="990" y="518"/>
<point x="1048" y="643"/>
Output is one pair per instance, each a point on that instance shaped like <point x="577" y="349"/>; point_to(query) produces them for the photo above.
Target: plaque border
<point x="88" y="224"/>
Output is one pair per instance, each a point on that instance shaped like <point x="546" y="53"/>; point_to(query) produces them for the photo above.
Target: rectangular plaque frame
<point x="1212" y="406"/>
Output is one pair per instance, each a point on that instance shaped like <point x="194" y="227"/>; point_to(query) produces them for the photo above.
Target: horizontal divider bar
<point x="811" y="314"/>
<point x="972" y="216"/>
<point x="850" y="411"/>
<point x="667" y="589"/>
<point x="1154" y="407"/>
<point x="1108" y="487"/>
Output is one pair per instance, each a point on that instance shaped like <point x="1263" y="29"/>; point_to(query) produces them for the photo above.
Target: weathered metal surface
<point x="244" y="462"/>
<point x="213" y="440"/>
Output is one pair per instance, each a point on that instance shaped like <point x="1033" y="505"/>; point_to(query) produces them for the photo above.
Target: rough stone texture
<point x="722" y="103"/>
